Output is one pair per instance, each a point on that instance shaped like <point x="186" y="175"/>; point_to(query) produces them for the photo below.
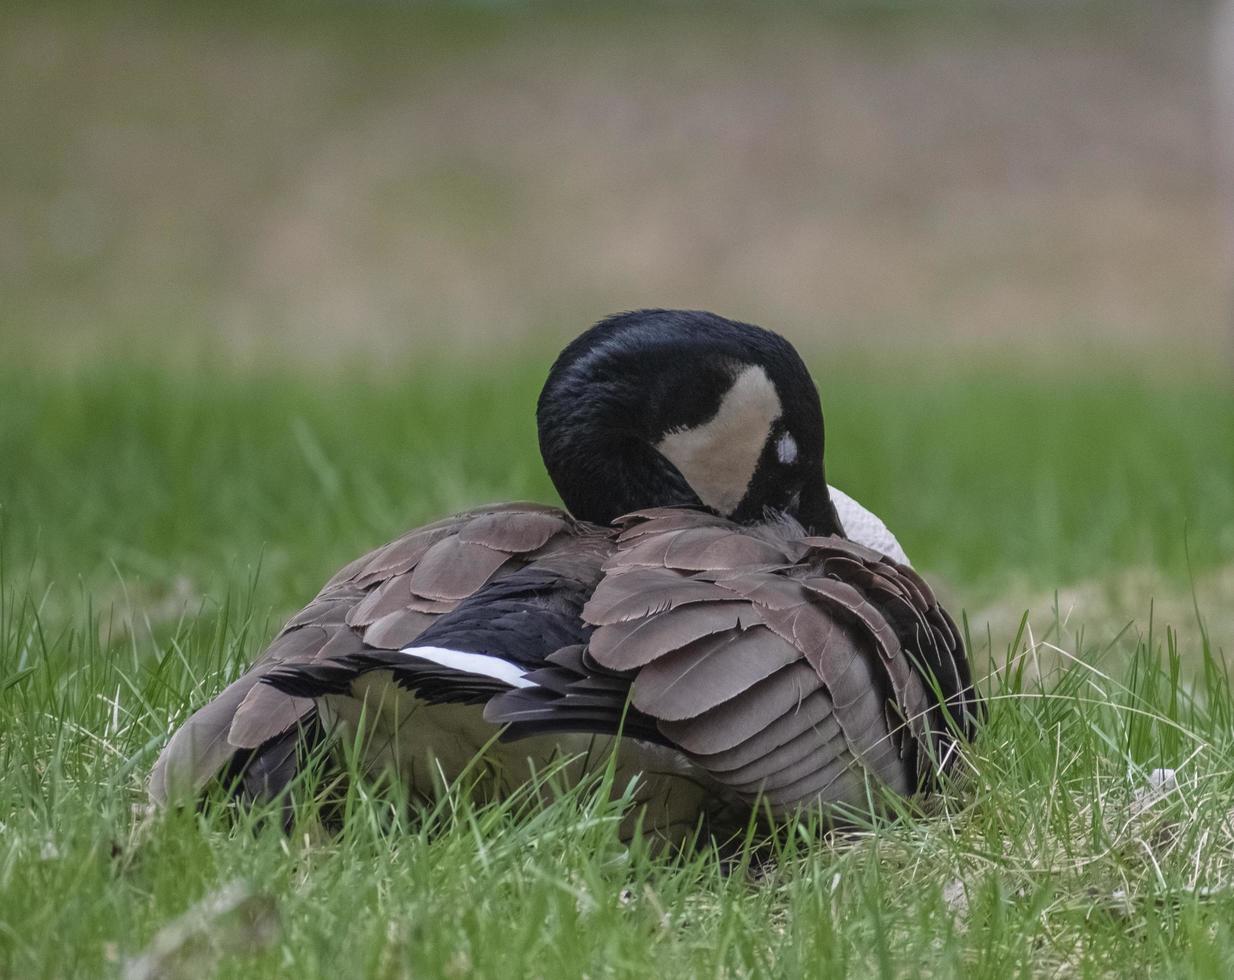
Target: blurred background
<point x="280" y="281"/>
<point x="365" y="182"/>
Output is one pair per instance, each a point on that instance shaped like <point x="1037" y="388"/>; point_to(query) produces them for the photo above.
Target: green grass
<point x="117" y="474"/>
<point x="157" y="526"/>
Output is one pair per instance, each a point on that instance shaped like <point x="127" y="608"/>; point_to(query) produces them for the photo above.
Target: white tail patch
<point x="472" y="663"/>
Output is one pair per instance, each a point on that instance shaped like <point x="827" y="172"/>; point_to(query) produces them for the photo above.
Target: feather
<point x="533" y="711"/>
<point x="813" y="711"/>
<point x="842" y="596"/>
<point x="766" y="590"/>
<point x="268" y="712"/>
<point x="687" y="682"/>
<point x="955" y="675"/>
<point x="569" y="658"/>
<point x="302" y="643"/>
<point x="346" y="575"/>
<point x="343" y="643"/>
<point x="403" y="554"/>
<point x="389" y="596"/>
<point x="699" y="549"/>
<point x="835" y="651"/>
<point x="552" y="679"/>
<point x="905" y="680"/>
<point x="720" y="549"/>
<point x="199" y="748"/>
<point x="635" y="643"/>
<point x="735" y="721"/>
<point x="265" y="714"/>
<point x="330" y="609"/>
<point x="641" y="523"/>
<point x="785" y="666"/>
<point x="603" y="682"/>
<point x="397" y="629"/>
<point x="829" y="644"/>
<point x="867" y="578"/>
<point x="451" y="569"/>
<point x="266" y="772"/>
<point x="806" y="627"/>
<point x="312" y="680"/>
<point x="839" y="782"/>
<point x="634" y="595"/>
<point x="514" y="533"/>
<point x="434" y="607"/>
<point x="806" y="754"/>
<point x="831" y="544"/>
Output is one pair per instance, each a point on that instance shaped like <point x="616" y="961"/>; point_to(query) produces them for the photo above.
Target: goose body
<point x="741" y="633"/>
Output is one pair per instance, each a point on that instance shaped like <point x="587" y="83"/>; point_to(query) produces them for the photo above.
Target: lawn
<point x="157" y="526"/>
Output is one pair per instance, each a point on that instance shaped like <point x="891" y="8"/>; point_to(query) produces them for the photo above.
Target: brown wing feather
<point x="635" y="643"/>
<point x="729" y="725"/>
<point x="264" y="713"/>
<point x="813" y="711"/>
<point x="657" y="520"/>
<point x="714" y="550"/>
<point x="398" y="629"/>
<point x="199" y="748"/>
<point x="644" y="592"/>
<point x="766" y="590"/>
<point x="383" y="599"/>
<point x="330" y="608"/>
<point x="829" y="691"/>
<point x="389" y="596"/>
<point x="700" y="549"/>
<point x="805" y="754"/>
<point x="514" y="533"/>
<point x="686" y="682"/>
<point x="454" y="570"/>
<point x="401" y="555"/>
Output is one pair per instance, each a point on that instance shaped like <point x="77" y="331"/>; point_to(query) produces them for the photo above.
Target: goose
<point x="735" y="632"/>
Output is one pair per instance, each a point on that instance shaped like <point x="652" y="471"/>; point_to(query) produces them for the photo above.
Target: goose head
<point x="681" y="407"/>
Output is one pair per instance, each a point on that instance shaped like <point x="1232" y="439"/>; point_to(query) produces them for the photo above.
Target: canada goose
<point x="767" y="632"/>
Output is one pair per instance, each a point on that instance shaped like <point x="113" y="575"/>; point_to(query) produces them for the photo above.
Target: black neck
<point x="598" y="459"/>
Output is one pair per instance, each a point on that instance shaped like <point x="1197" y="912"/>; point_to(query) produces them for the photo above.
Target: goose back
<point x="382" y="601"/>
<point x="771" y="665"/>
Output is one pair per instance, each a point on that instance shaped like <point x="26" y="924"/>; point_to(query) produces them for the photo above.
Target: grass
<point x="143" y="477"/>
<point x="157" y="526"/>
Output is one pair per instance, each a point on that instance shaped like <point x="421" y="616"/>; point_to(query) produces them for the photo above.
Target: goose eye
<point x="786" y="449"/>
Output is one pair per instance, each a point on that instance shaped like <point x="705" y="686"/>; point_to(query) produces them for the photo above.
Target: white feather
<point x="472" y="663"/>
<point x="866" y="529"/>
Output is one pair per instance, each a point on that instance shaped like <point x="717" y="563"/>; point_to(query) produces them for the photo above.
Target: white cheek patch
<point x="718" y="458"/>
<point x="786" y="449"/>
